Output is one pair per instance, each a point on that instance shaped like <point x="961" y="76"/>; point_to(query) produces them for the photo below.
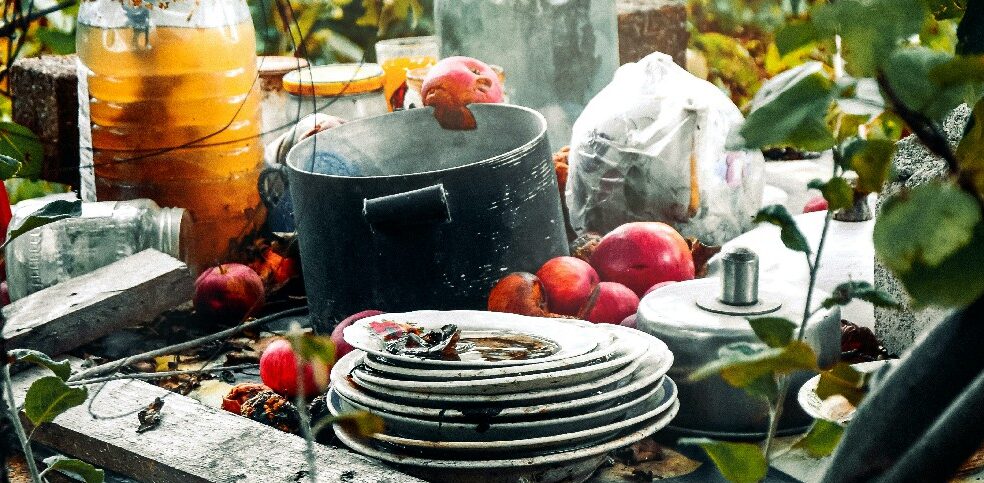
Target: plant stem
<point x="12" y="413"/>
<point x="159" y="375"/>
<point x="305" y="421"/>
<point x="108" y="367"/>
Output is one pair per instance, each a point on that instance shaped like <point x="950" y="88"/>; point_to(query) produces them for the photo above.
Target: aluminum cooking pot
<point x="699" y="318"/>
<point x="396" y="213"/>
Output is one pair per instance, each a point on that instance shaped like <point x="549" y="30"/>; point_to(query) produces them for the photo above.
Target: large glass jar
<point x="558" y="53"/>
<point x="169" y="110"/>
<point x="349" y="91"/>
<point x="106" y="232"/>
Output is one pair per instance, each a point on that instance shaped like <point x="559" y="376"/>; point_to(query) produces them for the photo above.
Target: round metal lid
<point x="334" y="80"/>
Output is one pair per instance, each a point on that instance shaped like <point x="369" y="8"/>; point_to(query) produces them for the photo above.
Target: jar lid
<point x="278" y="65"/>
<point x="334" y="80"/>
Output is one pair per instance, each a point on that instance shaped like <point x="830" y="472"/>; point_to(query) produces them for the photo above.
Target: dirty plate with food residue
<point x="466" y="338"/>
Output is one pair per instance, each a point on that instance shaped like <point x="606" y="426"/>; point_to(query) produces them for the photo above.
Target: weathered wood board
<point x="131" y="291"/>
<point x="193" y="444"/>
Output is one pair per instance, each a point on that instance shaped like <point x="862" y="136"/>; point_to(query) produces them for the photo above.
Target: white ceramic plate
<point x="491" y="428"/>
<point x="562" y="393"/>
<point x="631" y="350"/>
<point x="814" y="406"/>
<point x="362" y="446"/>
<point x="572" y="337"/>
<point x="605" y="351"/>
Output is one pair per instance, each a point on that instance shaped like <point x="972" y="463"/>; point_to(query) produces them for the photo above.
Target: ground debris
<point x="150" y="417"/>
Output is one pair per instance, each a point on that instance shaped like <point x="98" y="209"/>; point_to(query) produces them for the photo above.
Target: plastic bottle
<point x="106" y="232"/>
<point x="173" y="112"/>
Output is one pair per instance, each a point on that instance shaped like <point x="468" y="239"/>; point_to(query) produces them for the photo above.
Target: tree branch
<point x="160" y="375"/>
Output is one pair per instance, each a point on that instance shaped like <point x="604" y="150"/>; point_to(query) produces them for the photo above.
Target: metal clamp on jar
<point x="698" y="318"/>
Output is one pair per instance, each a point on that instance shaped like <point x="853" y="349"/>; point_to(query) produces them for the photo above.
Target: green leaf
<point x="314" y="347"/>
<point x="764" y="387"/>
<point x="822" y="439"/>
<point x="869" y="29"/>
<point x="958" y="71"/>
<point x="737" y="462"/>
<point x="19" y="143"/>
<point x="837" y="191"/>
<point x="956" y="282"/>
<point x="871" y="160"/>
<point x="909" y="71"/>
<point x="795" y="35"/>
<point x="52" y="212"/>
<point x="969" y="151"/>
<point x="843" y="380"/>
<point x="61" y="369"/>
<point x="61" y="43"/>
<point x="774" y="331"/>
<point x="20" y="189"/>
<point x="8" y="167"/>
<point x="791" y="109"/>
<point x="789" y="233"/>
<point x="79" y="469"/>
<point x="49" y="396"/>
<point x="844" y="293"/>
<point x="925" y="227"/>
<point x="741" y="370"/>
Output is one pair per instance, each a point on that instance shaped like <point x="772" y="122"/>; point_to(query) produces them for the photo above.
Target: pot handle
<point x="418" y="207"/>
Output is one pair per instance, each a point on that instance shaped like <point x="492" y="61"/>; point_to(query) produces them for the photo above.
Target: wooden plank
<point x="131" y="291"/>
<point x="193" y="444"/>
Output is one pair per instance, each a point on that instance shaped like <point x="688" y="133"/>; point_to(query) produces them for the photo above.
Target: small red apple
<point x="278" y="370"/>
<point x="229" y="292"/>
<point x="817" y="203"/>
<point x="613" y="303"/>
<point x="455" y="82"/>
<point x="568" y="282"/>
<point x="519" y="293"/>
<point x="642" y="254"/>
<point x="341" y="346"/>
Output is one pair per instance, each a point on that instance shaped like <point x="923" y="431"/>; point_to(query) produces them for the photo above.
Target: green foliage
<point x="822" y="438"/>
<point x="740" y="368"/>
<point x="774" y="331"/>
<point x="970" y="152"/>
<point x="8" y="167"/>
<point x="20" y="189"/>
<point x="19" y="143"/>
<point x="946" y="9"/>
<point x="62" y="369"/>
<point x="791" y="110"/>
<point x="361" y="423"/>
<point x="925" y="226"/>
<point x="844" y="293"/>
<point x="837" y="191"/>
<point x="738" y="462"/>
<point x="49" y="396"/>
<point x="789" y="233"/>
<point x="843" y="380"/>
<point x="913" y="73"/>
<point x="52" y="212"/>
<point x="76" y="468"/>
<point x="871" y="159"/>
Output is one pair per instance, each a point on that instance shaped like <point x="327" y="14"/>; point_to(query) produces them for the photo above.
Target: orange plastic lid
<point x="334" y="80"/>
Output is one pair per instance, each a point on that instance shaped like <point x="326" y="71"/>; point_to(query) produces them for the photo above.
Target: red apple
<point x="278" y="370"/>
<point x="658" y="286"/>
<point x="642" y="254"/>
<point x="229" y="292"/>
<point x="341" y="346"/>
<point x="519" y="293"/>
<point x="568" y="282"/>
<point x="613" y="304"/>
<point x="455" y="82"/>
<point x="817" y="203"/>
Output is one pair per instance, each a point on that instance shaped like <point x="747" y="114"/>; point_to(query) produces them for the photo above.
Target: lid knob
<point x="739" y="278"/>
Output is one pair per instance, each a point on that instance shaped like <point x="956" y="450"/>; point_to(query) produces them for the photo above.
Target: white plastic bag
<point x="651" y="147"/>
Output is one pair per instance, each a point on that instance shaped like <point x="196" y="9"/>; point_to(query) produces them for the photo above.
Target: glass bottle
<point x="170" y="110"/>
<point x="558" y="53"/>
<point x="106" y="232"/>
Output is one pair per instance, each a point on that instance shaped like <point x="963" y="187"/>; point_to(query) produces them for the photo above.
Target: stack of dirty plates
<point x="536" y="398"/>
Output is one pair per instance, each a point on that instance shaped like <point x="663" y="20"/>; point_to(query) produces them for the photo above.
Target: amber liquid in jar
<point x="175" y="118"/>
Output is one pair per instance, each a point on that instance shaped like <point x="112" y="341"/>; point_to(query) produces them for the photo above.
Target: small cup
<point x="397" y="56"/>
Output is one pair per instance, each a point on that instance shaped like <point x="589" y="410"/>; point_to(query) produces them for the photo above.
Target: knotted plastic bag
<point x="651" y="146"/>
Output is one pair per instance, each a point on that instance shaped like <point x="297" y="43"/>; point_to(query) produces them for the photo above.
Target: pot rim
<point x="516" y="152"/>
